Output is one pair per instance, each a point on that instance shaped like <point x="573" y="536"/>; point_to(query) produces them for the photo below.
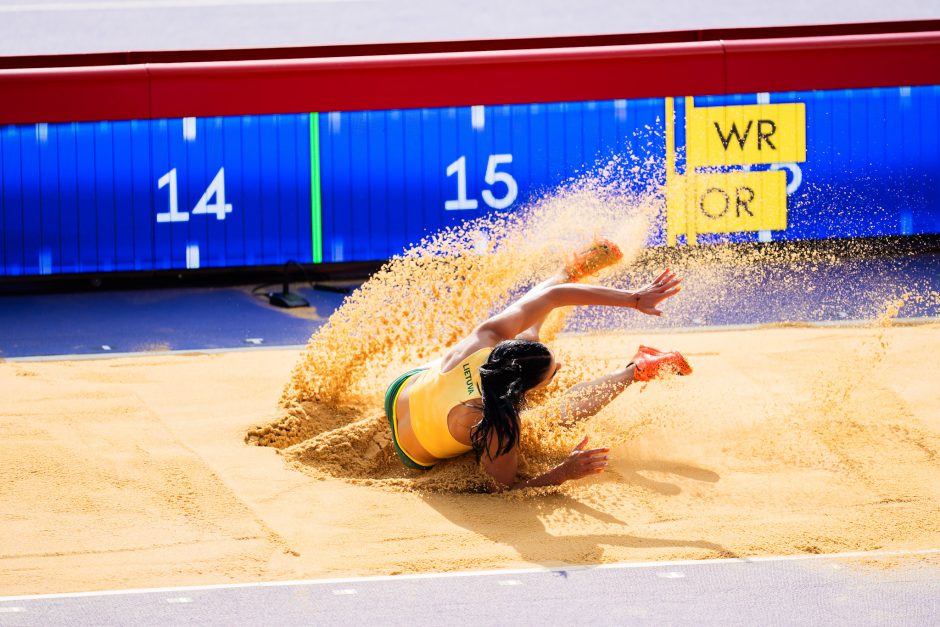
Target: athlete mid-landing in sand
<point x="471" y="398"/>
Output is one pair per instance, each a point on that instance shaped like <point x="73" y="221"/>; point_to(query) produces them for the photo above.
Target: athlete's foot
<point x="599" y="254"/>
<point x="656" y="364"/>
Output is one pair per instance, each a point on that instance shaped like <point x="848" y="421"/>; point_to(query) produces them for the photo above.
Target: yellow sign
<point x="746" y="134"/>
<point x="728" y="202"/>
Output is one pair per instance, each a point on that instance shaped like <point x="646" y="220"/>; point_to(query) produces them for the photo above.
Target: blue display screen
<point x="226" y="192"/>
<point x="155" y="195"/>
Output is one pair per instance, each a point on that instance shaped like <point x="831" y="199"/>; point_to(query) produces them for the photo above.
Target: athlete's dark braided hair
<point x="513" y="368"/>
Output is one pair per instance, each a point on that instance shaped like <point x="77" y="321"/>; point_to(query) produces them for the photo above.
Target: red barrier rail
<point x="473" y="45"/>
<point x="833" y="62"/>
<point x="468" y="78"/>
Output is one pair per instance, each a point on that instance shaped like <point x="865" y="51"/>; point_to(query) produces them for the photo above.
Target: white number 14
<point x="215" y="190"/>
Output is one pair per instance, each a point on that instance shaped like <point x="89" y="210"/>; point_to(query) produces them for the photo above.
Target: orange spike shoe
<point x="598" y="255"/>
<point x="655" y="364"/>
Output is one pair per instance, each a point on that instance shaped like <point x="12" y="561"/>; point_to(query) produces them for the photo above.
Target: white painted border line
<point x="194" y="352"/>
<point x="797" y="325"/>
<point x="770" y="326"/>
<point x="476" y="573"/>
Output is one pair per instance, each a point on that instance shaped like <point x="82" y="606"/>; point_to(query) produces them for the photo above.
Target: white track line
<point x="195" y="352"/>
<point x="474" y="573"/>
<point x="771" y="326"/>
<point x="900" y="322"/>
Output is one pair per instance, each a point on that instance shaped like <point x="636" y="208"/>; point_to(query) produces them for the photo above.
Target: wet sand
<point x="133" y="472"/>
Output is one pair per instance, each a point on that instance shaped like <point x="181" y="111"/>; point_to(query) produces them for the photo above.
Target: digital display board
<point x="220" y="192"/>
<point x="155" y="195"/>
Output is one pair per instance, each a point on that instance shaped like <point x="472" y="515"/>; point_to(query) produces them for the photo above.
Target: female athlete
<point x="471" y="398"/>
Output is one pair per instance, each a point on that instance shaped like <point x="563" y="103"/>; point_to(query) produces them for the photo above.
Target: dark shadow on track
<point x="524" y="524"/>
<point x="629" y="472"/>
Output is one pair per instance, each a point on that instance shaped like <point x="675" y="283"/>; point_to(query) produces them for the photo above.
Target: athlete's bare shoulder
<point x="479" y="338"/>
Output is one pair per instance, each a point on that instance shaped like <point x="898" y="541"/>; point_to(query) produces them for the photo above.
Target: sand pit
<point x="133" y="472"/>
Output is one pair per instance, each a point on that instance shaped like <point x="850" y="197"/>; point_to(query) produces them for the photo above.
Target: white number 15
<point x="492" y="177"/>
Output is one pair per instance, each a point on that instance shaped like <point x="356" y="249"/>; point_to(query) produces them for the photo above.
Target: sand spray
<point x="331" y="421"/>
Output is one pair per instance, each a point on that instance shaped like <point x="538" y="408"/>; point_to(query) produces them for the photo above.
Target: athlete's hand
<point x="649" y="296"/>
<point x="581" y="463"/>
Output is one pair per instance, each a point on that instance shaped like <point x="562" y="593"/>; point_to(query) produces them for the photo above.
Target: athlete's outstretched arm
<point x="535" y="305"/>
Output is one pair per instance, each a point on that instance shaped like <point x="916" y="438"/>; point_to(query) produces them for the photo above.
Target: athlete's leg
<point x="586" y="399"/>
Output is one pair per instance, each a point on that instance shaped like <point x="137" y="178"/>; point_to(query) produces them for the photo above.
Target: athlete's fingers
<point x="662" y="282"/>
<point x="581" y="446"/>
<point x="670" y="284"/>
<point x="661" y="276"/>
<point x="657" y="291"/>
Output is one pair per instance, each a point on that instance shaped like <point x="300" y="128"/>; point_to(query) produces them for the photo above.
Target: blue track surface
<point x="837" y="291"/>
<point x="154" y="320"/>
<point x="220" y="318"/>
